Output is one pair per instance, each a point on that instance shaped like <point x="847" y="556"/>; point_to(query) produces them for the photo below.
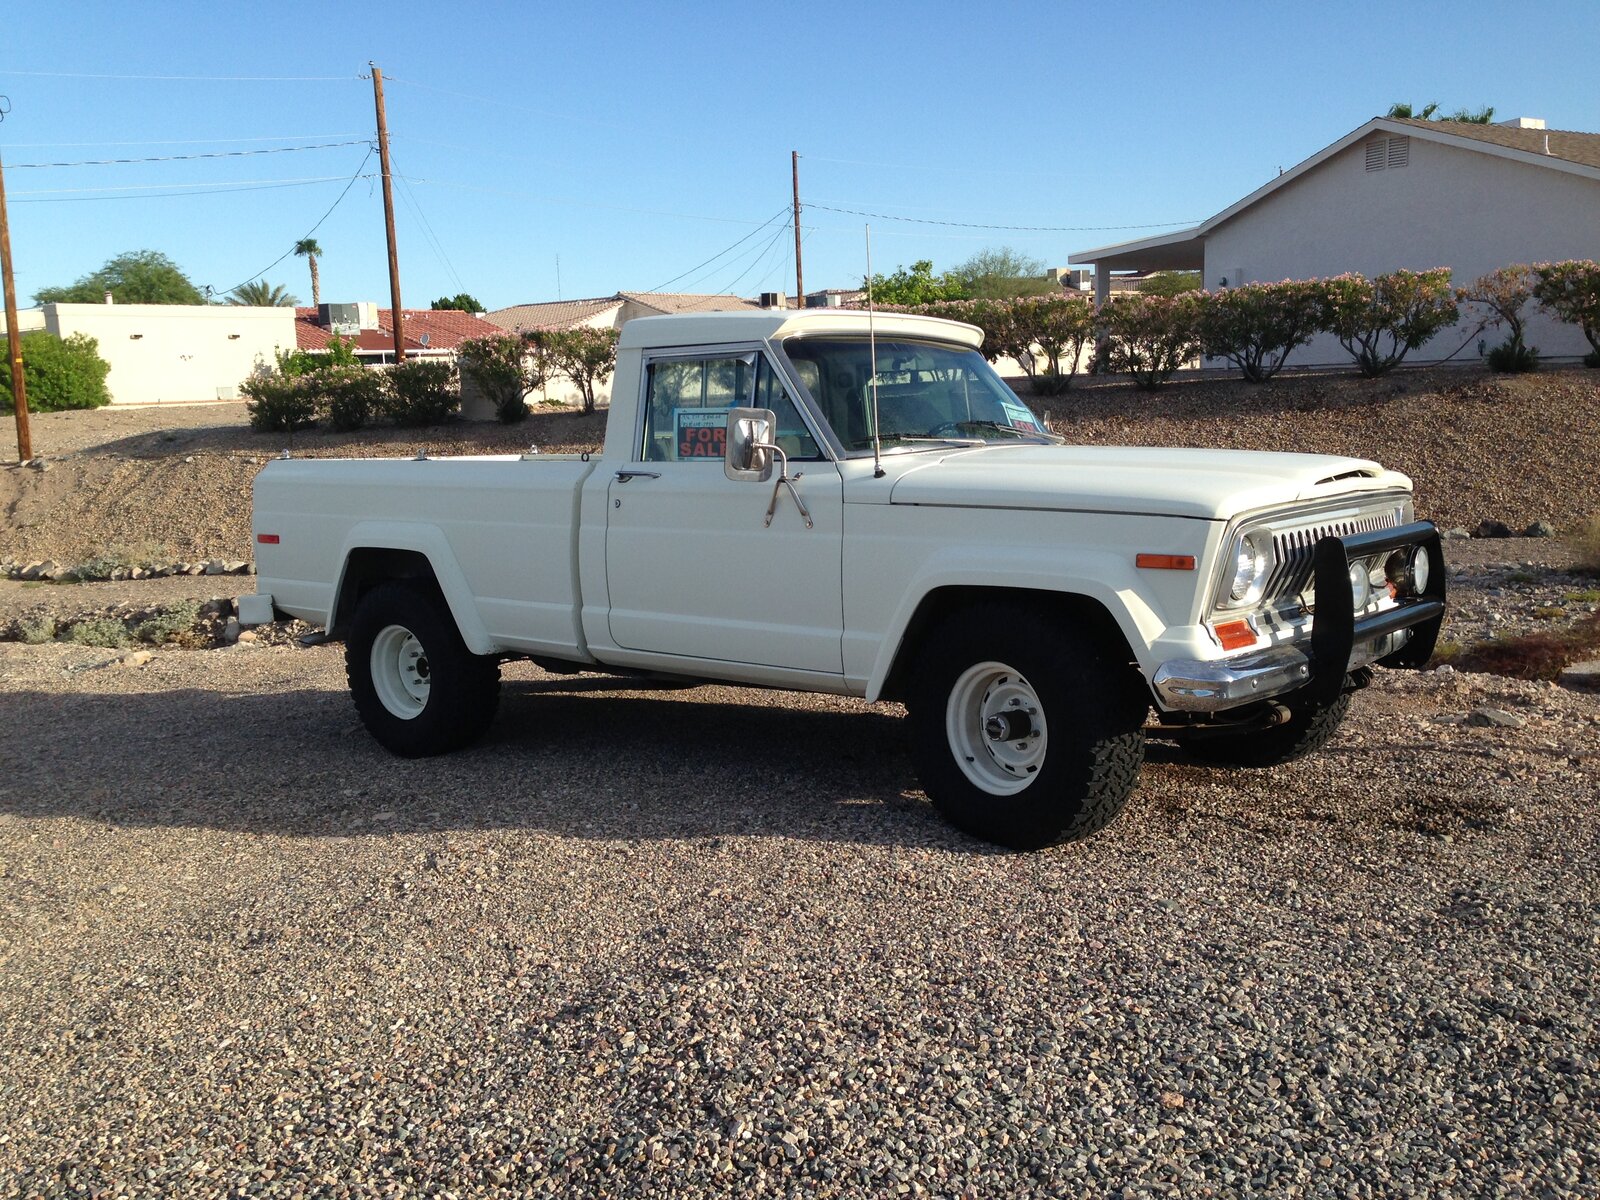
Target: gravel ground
<point x="248" y="953"/>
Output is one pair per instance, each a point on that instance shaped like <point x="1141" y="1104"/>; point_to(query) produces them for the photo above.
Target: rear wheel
<point x="1023" y="733"/>
<point x="417" y="687"/>
<point x="1311" y="725"/>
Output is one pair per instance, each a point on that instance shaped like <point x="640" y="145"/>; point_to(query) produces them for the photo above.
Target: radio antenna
<point x="872" y="365"/>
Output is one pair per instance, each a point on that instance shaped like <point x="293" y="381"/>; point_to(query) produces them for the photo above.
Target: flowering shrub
<point x="351" y="396"/>
<point x="1150" y="337"/>
<point x="1505" y="293"/>
<point x="585" y="355"/>
<point x="1570" y="291"/>
<point x="1046" y="334"/>
<point x="1379" y="320"/>
<point x="280" y="404"/>
<point x="1256" y="325"/>
<point x="503" y="371"/>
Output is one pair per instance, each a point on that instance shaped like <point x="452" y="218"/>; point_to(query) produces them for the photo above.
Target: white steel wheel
<point x="996" y="727"/>
<point x="400" y="672"/>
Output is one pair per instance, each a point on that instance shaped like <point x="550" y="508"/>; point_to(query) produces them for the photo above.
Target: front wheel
<point x="1024" y="733"/>
<point x="417" y="687"/>
<point x="1311" y="725"/>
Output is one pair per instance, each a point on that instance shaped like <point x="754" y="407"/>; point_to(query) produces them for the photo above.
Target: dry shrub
<point x="1534" y="655"/>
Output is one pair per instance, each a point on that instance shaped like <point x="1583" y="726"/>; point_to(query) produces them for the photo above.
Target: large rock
<point x="1581" y="677"/>
<point x="1492" y="529"/>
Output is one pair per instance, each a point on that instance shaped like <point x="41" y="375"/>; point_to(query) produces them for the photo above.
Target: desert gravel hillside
<point x="176" y="482"/>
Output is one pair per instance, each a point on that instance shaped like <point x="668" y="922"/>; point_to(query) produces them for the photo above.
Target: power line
<point x="727" y="250"/>
<point x="315" y="227"/>
<point x="150" y="187"/>
<point x="438" y="247"/>
<point x="110" y="162"/>
<point x="761" y="257"/>
<point x="288" y="137"/>
<point x="219" y="190"/>
<point x="194" y="78"/>
<point x="853" y="212"/>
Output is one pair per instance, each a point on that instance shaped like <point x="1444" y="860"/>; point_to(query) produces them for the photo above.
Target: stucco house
<point x="1399" y="193"/>
<point x="603" y="312"/>
<point x="428" y="333"/>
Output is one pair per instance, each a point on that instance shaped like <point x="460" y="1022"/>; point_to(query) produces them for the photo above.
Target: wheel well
<point x="1080" y="612"/>
<point x="369" y="566"/>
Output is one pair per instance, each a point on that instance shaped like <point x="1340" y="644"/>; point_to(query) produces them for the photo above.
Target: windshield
<point x="927" y="391"/>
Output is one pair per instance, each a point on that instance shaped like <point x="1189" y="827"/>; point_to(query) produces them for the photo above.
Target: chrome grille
<point x="1294" y="552"/>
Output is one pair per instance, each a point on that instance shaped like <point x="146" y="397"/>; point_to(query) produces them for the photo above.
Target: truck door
<point x="691" y="567"/>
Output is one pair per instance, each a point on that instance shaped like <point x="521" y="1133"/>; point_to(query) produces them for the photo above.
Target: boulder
<point x="1581" y="677"/>
<point x="1492" y="529"/>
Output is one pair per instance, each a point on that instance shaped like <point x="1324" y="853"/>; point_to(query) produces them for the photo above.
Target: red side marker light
<point x="1166" y="562"/>
<point x="1235" y="635"/>
<point x="267" y="539"/>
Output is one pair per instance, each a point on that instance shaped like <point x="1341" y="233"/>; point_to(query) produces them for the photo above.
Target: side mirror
<point x="747" y="455"/>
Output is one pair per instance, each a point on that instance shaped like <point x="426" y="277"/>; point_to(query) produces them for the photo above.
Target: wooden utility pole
<point x="19" y="390"/>
<point x="388" y="215"/>
<point x="799" y="272"/>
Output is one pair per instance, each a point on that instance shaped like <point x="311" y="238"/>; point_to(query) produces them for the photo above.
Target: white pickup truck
<point x="825" y="501"/>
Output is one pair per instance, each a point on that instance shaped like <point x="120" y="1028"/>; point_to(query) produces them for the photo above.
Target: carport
<point x="1184" y="250"/>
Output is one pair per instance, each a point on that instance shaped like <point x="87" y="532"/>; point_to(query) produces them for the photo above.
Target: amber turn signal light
<point x="1235" y="635"/>
<point x="1166" y="562"/>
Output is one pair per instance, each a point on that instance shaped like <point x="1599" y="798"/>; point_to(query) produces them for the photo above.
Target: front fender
<point x="430" y="542"/>
<point x="1103" y="576"/>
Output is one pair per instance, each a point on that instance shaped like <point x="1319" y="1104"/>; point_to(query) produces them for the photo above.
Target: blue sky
<point x="630" y="143"/>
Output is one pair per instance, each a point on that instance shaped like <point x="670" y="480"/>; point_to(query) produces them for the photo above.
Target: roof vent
<point x="1522" y="123"/>
<point x="774" y="300"/>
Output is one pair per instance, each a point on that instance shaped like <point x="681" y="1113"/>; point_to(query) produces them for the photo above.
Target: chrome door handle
<point x="628" y="473"/>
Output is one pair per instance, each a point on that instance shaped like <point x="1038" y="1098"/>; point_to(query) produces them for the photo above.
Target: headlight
<point x="1408" y="571"/>
<point x="1249" y="566"/>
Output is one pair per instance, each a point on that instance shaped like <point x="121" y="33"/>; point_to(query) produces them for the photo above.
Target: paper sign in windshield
<point x="1020" y="418"/>
<point x="700" y="432"/>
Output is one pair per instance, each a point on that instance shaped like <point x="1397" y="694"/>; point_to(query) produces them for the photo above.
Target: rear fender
<point x="360" y="568"/>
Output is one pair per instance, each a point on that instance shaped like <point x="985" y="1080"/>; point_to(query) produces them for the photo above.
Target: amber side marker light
<point x="1166" y="562"/>
<point x="1235" y="635"/>
<point x="267" y="539"/>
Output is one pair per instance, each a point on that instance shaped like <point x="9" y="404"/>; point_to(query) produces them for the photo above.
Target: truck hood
<point x="1210" y="485"/>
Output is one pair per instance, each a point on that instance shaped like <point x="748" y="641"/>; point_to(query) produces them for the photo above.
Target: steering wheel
<point x="947" y="427"/>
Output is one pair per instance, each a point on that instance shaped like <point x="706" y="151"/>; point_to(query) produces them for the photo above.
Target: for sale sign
<point x="700" y="432"/>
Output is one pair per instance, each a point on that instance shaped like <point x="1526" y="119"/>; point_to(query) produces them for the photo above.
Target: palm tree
<point x="261" y="294"/>
<point x="308" y="249"/>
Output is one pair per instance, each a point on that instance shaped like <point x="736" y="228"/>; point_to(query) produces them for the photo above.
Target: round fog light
<point x="1419" y="569"/>
<point x="1360" y="586"/>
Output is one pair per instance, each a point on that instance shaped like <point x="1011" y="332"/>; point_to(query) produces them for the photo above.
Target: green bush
<point x="1150" y="337"/>
<point x="1379" y="320"/>
<point x="98" y="631"/>
<point x="1255" y="325"/>
<point x="59" y="373"/>
<point x="35" y="631"/>
<point x="168" y="623"/>
<point x="351" y="396"/>
<point x="1592" y="359"/>
<point x="280" y="404"/>
<point x="420" y="392"/>
<point x="1513" y="357"/>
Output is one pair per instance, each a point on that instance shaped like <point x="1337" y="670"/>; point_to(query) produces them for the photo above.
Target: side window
<point x="687" y="403"/>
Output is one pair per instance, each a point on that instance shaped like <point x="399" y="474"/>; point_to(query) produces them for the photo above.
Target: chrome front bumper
<point x="1402" y="636"/>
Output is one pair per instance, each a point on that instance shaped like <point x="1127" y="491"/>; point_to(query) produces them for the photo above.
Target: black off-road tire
<point x="1312" y="724"/>
<point x="444" y="699"/>
<point x="1028" y="792"/>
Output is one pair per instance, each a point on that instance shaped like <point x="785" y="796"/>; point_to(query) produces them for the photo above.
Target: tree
<point x="993" y="274"/>
<point x="460" y="302"/>
<point x="1256" y="325"/>
<point x="1431" y="112"/>
<point x="261" y="294"/>
<point x="137" y="277"/>
<point x="1150" y="337"/>
<point x="585" y="355"/>
<point x="503" y="370"/>
<point x="1170" y="283"/>
<point x="1570" y="291"/>
<point x="1379" y="320"/>
<point x="914" y="287"/>
<point x="59" y="373"/>
<point x="308" y="249"/>
<point x="1505" y="293"/>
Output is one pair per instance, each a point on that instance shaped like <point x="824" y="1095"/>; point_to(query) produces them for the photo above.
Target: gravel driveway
<point x="709" y="943"/>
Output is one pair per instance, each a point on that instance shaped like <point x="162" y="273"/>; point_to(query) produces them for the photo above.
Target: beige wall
<point x="171" y="353"/>
<point x="1449" y="207"/>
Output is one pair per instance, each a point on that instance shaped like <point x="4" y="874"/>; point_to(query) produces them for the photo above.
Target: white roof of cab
<point x="709" y="329"/>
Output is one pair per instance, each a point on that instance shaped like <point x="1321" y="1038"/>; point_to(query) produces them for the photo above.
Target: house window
<point x="1388" y="153"/>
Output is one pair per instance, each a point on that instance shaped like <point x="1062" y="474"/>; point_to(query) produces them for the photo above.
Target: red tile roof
<point x="445" y="329"/>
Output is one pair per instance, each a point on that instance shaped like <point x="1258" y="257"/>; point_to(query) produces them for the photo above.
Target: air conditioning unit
<point x="774" y="300"/>
<point x="343" y="319"/>
<point x="227" y="392"/>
